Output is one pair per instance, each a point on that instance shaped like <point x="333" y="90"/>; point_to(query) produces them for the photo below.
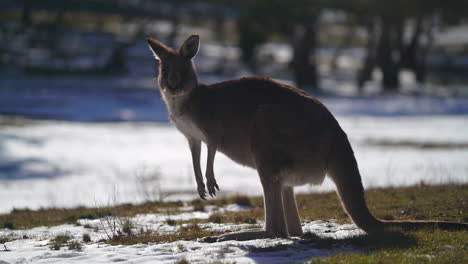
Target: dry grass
<point x="416" y="202"/>
<point x="59" y="241"/>
<point x="26" y="219"/>
<point x="188" y="232"/>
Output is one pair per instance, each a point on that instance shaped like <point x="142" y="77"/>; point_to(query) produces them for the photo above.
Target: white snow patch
<point x="68" y="164"/>
<point x="34" y="247"/>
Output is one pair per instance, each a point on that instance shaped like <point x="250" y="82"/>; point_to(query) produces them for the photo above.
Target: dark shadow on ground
<point x="24" y="169"/>
<point x="14" y="168"/>
<point x="311" y="245"/>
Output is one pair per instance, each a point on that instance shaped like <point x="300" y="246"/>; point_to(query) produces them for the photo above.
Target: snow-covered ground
<point x="33" y="246"/>
<point x="66" y="164"/>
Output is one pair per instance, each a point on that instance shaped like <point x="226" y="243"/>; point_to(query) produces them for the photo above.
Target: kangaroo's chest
<point x="176" y="107"/>
<point x="187" y="127"/>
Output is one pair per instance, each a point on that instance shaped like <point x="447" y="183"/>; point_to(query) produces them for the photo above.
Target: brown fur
<point x="288" y="136"/>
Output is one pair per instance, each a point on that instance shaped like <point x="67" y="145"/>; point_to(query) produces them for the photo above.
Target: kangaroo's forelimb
<point x="195" y="149"/>
<point x="210" y="178"/>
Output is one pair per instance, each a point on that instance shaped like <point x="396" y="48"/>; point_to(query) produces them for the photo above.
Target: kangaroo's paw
<point x="241" y="236"/>
<point x="212" y="186"/>
<point x="201" y="191"/>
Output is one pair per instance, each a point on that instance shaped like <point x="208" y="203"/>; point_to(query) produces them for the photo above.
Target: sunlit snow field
<point x="67" y="164"/>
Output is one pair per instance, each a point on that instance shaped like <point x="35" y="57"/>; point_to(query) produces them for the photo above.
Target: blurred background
<point x="81" y="120"/>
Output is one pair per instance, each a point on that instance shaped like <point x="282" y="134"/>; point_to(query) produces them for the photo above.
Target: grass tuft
<point x="127" y="226"/>
<point x="242" y="200"/>
<point x="187" y="232"/>
<point x="4" y="239"/>
<point x="86" y="238"/>
<point x="74" y="245"/>
<point x="171" y="222"/>
<point x="182" y="261"/>
<point x="8" y="225"/>
<point x="59" y="241"/>
<point x="216" y="218"/>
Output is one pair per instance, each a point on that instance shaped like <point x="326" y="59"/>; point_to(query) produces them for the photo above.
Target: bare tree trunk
<point x="421" y="69"/>
<point x="365" y="73"/>
<point x="304" y="59"/>
<point x="175" y="22"/>
<point x="345" y="41"/>
<point x="54" y="31"/>
<point x="249" y="38"/>
<point x="220" y="35"/>
<point x="388" y="55"/>
<point x="420" y="52"/>
<point x="26" y="14"/>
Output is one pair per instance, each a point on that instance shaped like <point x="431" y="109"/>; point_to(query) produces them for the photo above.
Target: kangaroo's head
<point x="177" y="74"/>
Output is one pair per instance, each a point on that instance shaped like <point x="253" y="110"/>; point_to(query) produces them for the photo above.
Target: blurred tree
<point x="251" y="34"/>
<point x="294" y="20"/>
<point x="384" y="26"/>
<point x="365" y="73"/>
<point x="400" y="35"/>
<point x="26" y="14"/>
<point x="348" y="38"/>
<point x="175" y="19"/>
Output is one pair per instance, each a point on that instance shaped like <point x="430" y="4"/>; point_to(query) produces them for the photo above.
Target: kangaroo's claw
<point x="201" y="191"/>
<point x="212" y="186"/>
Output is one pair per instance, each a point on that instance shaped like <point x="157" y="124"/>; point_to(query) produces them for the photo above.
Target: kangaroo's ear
<point x="159" y="50"/>
<point x="190" y="47"/>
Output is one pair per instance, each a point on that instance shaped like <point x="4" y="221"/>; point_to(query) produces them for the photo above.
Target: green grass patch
<point x="423" y="246"/>
<point x="415" y="202"/>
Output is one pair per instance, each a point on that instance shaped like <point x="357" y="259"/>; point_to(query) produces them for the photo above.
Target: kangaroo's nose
<point x="174" y="79"/>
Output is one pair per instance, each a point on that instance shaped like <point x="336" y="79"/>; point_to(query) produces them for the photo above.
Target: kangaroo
<point x="287" y="135"/>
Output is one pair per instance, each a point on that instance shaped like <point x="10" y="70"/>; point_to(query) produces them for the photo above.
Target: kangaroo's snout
<point x="173" y="82"/>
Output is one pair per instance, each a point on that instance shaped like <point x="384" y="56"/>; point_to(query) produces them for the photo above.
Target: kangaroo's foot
<point x="212" y="186"/>
<point x="242" y="236"/>
<point x="296" y="232"/>
<point x="201" y="191"/>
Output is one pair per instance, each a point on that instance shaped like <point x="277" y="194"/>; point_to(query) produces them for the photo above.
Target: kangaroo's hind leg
<point x="293" y="221"/>
<point x="275" y="222"/>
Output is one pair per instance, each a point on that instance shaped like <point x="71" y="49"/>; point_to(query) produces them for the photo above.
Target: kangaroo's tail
<point x="343" y="170"/>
